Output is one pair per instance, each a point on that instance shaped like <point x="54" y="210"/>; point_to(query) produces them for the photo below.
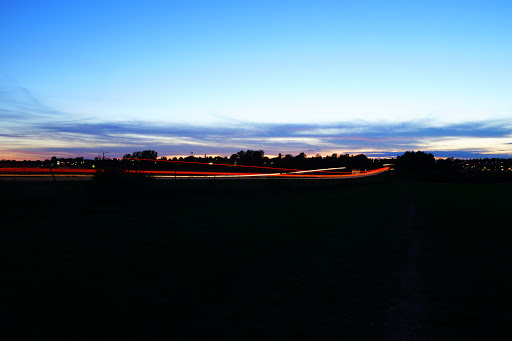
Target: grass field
<point x="258" y="260"/>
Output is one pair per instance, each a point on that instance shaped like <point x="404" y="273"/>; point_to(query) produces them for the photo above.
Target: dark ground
<point x="369" y="260"/>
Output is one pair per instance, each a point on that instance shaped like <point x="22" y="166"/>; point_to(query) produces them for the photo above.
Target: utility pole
<point x="53" y="175"/>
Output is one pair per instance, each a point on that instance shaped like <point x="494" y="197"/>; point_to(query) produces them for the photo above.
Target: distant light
<point x="211" y="163"/>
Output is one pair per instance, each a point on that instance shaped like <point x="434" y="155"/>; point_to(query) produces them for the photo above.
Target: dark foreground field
<point x="367" y="260"/>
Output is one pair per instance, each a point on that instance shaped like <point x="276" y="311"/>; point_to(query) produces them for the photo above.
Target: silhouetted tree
<point x="361" y="161"/>
<point x="415" y="163"/>
<point x="248" y="157"/>
<point x="146" y="154"/>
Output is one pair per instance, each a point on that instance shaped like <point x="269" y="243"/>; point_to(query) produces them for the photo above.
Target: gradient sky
<point x="214" y="77"/>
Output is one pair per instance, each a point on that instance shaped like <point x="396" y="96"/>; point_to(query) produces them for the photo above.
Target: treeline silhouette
<point x="145" y="154"/>
<point x="410" y="164"/>
<point x="258" y="158"/>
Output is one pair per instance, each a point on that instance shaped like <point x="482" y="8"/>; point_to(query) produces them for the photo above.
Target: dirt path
<point x="407" y="320"/>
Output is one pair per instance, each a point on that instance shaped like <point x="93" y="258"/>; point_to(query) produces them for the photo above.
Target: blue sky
<point x="214" y="77"/>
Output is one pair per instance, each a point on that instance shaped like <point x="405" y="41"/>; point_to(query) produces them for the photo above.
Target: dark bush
<point x="118" y="183"/>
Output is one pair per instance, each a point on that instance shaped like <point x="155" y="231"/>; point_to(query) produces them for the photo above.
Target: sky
<point x="215" y="77"/>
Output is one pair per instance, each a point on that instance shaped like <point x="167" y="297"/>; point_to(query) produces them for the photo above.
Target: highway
<point x="45" y="174"/>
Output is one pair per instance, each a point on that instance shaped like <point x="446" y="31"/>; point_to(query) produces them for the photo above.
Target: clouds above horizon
<point x="31" y="130"/>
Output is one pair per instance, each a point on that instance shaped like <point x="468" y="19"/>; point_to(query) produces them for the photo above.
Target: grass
<point x="248" y="260"/>
<point x="466" y="242"/>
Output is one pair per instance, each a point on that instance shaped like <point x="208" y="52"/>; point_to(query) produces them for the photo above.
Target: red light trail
<point x="13" y="171"/>
<point x="326" y="173"/>
<point x="215" y="164"/>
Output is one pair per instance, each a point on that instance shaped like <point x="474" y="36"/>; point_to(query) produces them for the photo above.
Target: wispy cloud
<point x="27" y="126"/>
<point x="17" y="102"/>
<point x="481" y="138"/>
